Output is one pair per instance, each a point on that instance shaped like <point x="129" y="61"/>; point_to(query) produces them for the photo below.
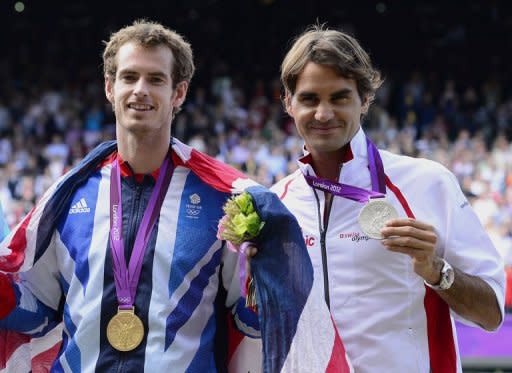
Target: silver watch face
<point x="447" y="277"/>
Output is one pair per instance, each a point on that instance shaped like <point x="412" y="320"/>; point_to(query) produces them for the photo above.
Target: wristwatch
<point x="447" y="277"/>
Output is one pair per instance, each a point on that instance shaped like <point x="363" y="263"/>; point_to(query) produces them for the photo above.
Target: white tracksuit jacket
<point x="384" y="312"/>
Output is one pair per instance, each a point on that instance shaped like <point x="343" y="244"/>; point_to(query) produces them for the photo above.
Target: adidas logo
<point x="79" y="207"/>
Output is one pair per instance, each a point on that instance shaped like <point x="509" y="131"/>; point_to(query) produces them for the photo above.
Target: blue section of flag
<point x="64" y="284"/>
<point x="72" y="353"/>
<point x="57" y="366"/>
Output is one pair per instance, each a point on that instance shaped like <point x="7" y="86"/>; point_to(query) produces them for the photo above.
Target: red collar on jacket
<point x="126" y="170"/>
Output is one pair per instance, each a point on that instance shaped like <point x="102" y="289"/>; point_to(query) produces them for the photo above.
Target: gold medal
<point x="125" y="330"/>
<point x="374" y="216"/>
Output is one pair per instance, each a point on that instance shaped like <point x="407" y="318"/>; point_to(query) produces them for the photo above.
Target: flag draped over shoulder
<point x="298" y="333"/>
<point x="20" y="353"/>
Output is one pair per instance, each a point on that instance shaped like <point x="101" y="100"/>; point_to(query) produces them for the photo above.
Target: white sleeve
<point x="463" y="241"/>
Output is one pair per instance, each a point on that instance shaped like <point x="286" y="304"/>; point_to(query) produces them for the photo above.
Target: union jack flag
<point x="298" y="333"/>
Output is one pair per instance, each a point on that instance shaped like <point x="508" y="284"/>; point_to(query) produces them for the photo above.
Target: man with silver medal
<point x="393" y="241"/>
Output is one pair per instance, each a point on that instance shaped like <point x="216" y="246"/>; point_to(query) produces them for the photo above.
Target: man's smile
<point x="140" y="107"/>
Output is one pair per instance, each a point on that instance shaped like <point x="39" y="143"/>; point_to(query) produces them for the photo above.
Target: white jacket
<point x="376" y="299"/>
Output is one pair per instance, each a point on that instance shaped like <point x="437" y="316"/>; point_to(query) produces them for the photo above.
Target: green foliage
<point x="241" y="223"/>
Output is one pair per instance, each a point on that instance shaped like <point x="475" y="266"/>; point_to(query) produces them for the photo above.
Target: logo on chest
<point x="309" y="240"/>
<point x="80" y="207"/>
<point x="194" y="208"/>
<point x="354" y="236"/>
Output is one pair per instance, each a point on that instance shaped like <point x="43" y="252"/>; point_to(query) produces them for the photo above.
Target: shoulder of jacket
<point x="419" y="170"/>
<point x="399" y="161"/>
<point x="285" y="182"/>
<point x="211" y="171"/>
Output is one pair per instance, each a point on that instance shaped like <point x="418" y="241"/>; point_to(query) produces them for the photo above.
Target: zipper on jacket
<point x="323" y="224"/>
<point x="323" y="247"/>
<point x="120" y="367"/>
<point x="133" y="224"/>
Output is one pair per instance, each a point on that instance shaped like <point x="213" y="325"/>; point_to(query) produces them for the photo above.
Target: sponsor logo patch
<point x="354" y="236"/>
<point x="80" y="207"/>
<point x="194" y="208"/>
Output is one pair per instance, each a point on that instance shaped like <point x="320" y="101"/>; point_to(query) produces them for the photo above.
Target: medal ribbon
<point x="126" y="279"/>
<point x="352" y="192"/>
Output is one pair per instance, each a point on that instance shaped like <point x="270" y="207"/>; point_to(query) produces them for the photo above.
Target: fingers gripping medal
<point x="374" y="215"/>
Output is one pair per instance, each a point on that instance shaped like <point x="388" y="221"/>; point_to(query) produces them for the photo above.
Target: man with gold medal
<point x="124" y="248"/>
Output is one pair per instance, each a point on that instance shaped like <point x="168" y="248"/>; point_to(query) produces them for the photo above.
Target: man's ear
<point x="287" y="102"/>
<point x="180" y="93"/>
<point x="366" y="105"/>
<point x="109" y="90"/>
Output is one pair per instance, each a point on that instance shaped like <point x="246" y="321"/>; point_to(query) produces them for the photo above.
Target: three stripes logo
<point x="80" y="207"/>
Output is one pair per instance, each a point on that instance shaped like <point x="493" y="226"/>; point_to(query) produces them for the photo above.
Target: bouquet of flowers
<point x="241" y="224"/>
<point x="291" y="308"/>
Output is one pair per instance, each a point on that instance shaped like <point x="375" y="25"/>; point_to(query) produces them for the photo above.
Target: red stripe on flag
<point x="338" y="362"/>
<point x="7" y="296"/>
<point x="9" y="342"/>
<point x="443" y="358"/>
<point x="213" y="172"/>
<point x="235" y="337"/>
<point x="18" y="244"/>
<point x="42" y="363"/>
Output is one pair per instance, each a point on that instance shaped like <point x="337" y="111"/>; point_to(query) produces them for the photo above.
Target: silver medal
<point x="374" y="215"/>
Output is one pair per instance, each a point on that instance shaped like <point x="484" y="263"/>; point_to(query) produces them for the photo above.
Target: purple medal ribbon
<point x="126" y="279"/>
<point x="352" y="192"/>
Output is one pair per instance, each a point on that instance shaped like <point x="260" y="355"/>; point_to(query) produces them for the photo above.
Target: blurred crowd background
<point x="447" y="94"/>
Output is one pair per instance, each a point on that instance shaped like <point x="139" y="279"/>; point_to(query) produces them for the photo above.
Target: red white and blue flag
<point x="298" y="333"/>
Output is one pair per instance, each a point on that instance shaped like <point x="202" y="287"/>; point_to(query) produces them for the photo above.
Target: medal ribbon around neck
<point x="350" y="191"/>
<point x="126" y="279"/>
